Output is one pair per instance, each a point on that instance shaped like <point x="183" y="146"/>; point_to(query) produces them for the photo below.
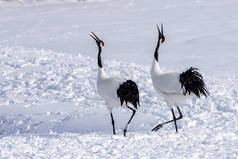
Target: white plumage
<point x="115" y="91"/>
<point x="167" y="85"/>
<point x="175" y="87"/>
<point x="107" y="89"/>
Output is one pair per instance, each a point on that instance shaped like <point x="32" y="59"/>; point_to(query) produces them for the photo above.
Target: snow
<point x="49" y="106"/>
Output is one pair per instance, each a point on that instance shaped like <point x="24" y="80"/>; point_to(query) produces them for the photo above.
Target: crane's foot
<point x="157" y="127"/>
<point x="114" y="131"/>
<point x="124" y="132"/>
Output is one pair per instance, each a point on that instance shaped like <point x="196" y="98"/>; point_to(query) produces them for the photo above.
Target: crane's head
<point x="99" y="42"/>
<point x="161" y="33"/>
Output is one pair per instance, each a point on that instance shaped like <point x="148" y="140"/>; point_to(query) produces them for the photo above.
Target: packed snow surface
<point x="49" y="105"/>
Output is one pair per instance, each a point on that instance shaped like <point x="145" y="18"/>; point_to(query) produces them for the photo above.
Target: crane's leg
<point x="160" y="125"/>
<point x="133" y="113"/>
<point x="180" y="114"/>
<point x="113" y="125"/>
<point x="174" y="119"/>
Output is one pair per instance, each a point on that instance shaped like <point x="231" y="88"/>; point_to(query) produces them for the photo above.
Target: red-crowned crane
<point x="175" y="87"/>
<point x="115" y="91"/>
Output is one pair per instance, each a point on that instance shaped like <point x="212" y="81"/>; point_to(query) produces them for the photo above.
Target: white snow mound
<point x="49" y="108"/>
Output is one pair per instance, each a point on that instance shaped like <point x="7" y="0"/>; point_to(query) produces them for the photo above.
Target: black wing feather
<point x="193" y="82"/>
<point x="128" y="92"/>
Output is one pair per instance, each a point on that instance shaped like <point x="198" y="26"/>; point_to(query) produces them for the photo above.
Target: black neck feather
<point x="99" y="57"/>
<point x="156" y="50"/>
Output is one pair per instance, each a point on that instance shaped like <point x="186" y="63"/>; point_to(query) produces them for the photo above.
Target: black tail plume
<point x="128" y="92"/>
<point x="192" y="81"/>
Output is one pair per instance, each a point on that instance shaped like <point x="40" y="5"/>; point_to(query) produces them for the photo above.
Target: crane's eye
<point x="163" y="39"/>
<point x="102" y="43"/>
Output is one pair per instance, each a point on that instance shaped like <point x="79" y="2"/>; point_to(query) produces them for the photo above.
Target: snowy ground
<point x="49" y="106"/>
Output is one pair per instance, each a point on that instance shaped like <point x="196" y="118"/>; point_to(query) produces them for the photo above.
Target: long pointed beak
<point x="158" y="29"/>
<point x="94" y="36"/>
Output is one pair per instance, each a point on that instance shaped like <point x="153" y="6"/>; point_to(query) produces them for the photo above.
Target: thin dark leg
<point x="160" y="125"/>
<point x="180" y="114"/>
<point x="113" y="125"/>
<point x="133" y="113"/>
<point x="174" y="118"/>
